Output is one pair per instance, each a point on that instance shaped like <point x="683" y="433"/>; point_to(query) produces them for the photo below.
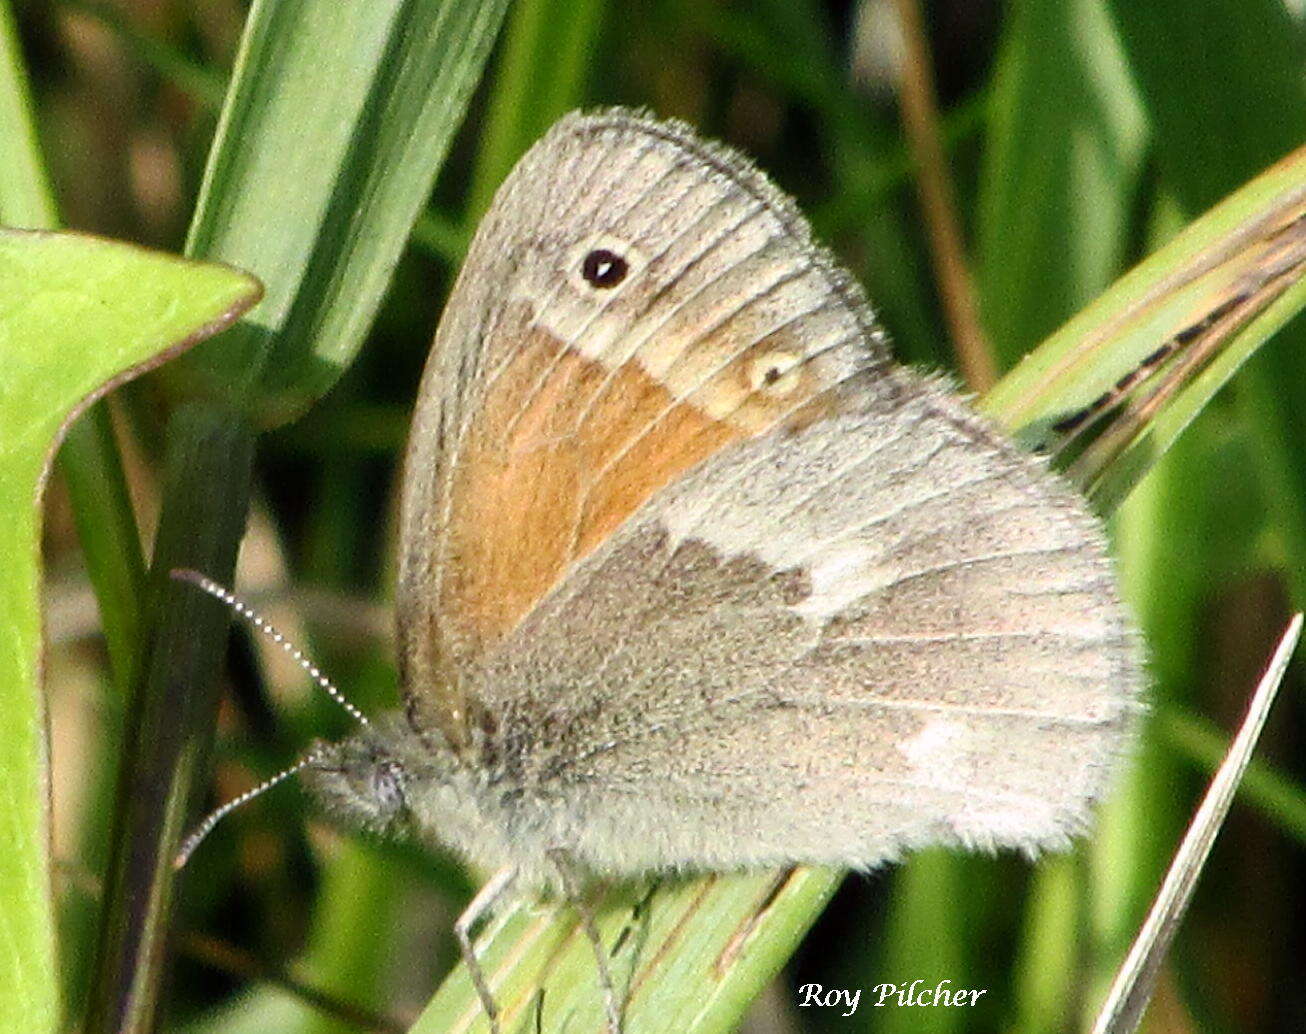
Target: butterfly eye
<point x="387" y="788"/>
<point x="603" y="268"/>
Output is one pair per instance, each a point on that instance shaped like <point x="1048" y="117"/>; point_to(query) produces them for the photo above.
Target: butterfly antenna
<point x="197" y="835"/>
<point x="185" y="574"/>
<point x="247" y="612"/>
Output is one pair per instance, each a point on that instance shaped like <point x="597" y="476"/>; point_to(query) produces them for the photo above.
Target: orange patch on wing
<point x="682" y="438"/>
<point x="537" y="488"/>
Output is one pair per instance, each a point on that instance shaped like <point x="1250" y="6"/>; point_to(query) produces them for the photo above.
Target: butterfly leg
<point x="571" y="887"/>
<point x="481" y="905"/>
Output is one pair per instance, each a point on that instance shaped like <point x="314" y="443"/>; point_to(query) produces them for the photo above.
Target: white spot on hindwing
<point x="932" y="751"/>
<point x="840" y="575"/>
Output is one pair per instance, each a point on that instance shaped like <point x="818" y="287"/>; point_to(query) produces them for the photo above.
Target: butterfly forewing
<point x="555" y="405"/>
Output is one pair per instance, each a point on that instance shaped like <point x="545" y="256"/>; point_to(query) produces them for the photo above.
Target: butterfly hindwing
<point x="883" y="628"/>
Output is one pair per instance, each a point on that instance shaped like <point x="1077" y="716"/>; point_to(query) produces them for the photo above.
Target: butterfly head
<point x="367" y="779"/>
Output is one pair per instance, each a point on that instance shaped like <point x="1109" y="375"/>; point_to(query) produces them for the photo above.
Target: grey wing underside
<point x="886" y="629"/>
<point x="693" y="207"/>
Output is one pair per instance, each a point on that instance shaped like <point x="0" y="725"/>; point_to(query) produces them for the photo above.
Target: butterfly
<point x="694" y="578"/>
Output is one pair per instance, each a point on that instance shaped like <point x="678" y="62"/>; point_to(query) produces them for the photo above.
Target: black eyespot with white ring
<point x="604" y="268"/>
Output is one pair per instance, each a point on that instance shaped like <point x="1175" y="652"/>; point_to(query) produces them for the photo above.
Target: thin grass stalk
<point x="206" y="493"/>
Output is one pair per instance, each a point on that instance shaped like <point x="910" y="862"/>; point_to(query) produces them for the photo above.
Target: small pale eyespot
<point x="603" y="268"/>
<point x="774" y="373"/>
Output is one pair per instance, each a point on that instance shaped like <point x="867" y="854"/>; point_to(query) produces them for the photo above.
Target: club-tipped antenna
<point x="186" y="574"/>
<point x="193" y="839"/>
<point x="197" y="835"/>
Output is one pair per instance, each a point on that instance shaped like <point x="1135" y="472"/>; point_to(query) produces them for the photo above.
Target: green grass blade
<point x="1276" y="796"/>
<point x="1048" y="943"/>
<point x="1150" y="304"/>
<point x="1252" y="92"/>
<point x="1136" y="980"/>
<point x="541" y="76"/>
<point x="1142" y="814"/>
<point x="25" y="195"/>
<point x="444" y="238"/>
<point x="700" y="951"/>
<point x="339" y="118"/>
<point x="78" y="315"/>
<point x="1061" y="164"/>
<point x="1253" y="242"/>
<point x="92" y="470"/>
<point x="922" y="941"/>
<point x="1244" y="58"/>
<point x="173" y="700"/>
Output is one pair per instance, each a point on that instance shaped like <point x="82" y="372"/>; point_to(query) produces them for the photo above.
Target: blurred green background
<point x="1078" y="135"/>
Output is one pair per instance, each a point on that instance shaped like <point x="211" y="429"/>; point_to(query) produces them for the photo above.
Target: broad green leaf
<point x="89" y="461"/>
<point x="338" y="121"/>
<point x="78" y="315"/>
